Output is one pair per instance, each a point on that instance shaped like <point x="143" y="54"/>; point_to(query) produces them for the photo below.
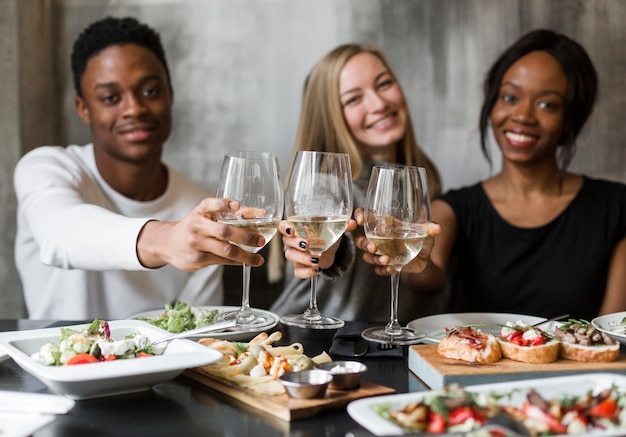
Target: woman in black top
<point x="535" y="238"/>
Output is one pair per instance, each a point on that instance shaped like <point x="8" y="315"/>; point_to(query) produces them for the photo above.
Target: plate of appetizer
<point x="613" y="325"/>
<point x="250" y="373"/>
<point x="182" y="317"/>
<point x="579" y="404"/>
<point x="103" y="358"/>
<point x="434" y="326"/>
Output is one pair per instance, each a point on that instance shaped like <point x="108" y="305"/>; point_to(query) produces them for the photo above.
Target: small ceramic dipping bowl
<point x="306" y="384"/>
<point x="346" y="374"/>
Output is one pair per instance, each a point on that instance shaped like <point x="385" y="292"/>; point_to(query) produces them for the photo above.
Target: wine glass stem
<point x="245" y="313"/>
<point x="393" y="327"/>
<point x="312" y="313"/>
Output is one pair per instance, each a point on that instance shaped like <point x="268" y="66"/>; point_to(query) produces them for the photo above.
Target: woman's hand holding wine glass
<point x="381" y="262"/>
<point x="296" y="251"/>
<point x="396" y="220"/>
<point x="319" y="207"/>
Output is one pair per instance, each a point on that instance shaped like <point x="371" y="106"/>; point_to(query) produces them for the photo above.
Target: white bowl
<point x="612" y="325"/>
<point x="107" y="378"/>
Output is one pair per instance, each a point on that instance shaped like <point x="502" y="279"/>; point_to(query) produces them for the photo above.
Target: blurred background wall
<point x="238" y="67"/>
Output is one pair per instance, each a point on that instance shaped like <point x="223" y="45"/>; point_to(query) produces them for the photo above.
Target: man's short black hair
<point x="113" y="31"/>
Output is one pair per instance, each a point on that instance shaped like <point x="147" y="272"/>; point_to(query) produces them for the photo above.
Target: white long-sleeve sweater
<point x="75" y="247"/>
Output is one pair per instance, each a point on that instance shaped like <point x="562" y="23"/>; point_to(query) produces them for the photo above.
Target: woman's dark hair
<point x="582" y="85"/>
<point x="109" y="32"/>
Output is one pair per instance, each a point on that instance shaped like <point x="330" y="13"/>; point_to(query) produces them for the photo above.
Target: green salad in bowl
<point x="181" y="317"/>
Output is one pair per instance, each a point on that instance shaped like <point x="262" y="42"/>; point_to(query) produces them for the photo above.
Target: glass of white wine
<point x="397" y="208"/>
<point x="252" y="179"/>
<point x="318" y="205"/>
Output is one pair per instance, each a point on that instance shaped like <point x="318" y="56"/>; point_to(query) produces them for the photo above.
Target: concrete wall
<point x="238" y="68"/>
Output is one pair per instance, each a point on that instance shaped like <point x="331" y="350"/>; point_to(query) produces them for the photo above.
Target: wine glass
<point x="396" y="209"/>
<point x="252" y="179"/>
<point x="318" y="205"/>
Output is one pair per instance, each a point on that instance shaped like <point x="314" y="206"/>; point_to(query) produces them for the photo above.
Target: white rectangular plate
<point x="362" y="410"/>
<point x="235" y="334"/>
<point x="107" y="378"/>
<point x="433" y="326"/>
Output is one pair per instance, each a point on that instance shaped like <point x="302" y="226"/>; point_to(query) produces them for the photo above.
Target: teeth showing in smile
<point x="381" y="122"/>
<point x="520" y="138"/>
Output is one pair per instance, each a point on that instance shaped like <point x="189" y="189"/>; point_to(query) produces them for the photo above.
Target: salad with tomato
<point x="450" y="409"/>
<point x="93" y="344"/>
<point x="454" y="410"/>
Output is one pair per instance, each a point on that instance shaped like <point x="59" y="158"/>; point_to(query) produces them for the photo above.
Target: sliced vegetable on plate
<point x="581" y="404"/>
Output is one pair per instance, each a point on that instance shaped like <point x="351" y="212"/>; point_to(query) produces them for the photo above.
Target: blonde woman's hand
<point x="381" y="262"/>
<point x="296" y="251"/>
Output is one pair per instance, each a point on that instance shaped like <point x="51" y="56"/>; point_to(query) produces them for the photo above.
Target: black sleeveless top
<point x="561" y="267"/>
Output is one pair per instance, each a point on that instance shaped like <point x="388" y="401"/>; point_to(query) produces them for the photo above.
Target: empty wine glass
<point x="318" y="204"/>
<point x="252" y="179"/>
<point x="396" y="209"/>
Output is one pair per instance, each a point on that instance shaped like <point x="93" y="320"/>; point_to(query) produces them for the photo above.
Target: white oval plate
<point x="235" y="334"/>
<point x="612" y="325"/>
<point x="434" y="326"/>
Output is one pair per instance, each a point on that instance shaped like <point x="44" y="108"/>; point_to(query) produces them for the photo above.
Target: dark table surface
<point x="183" y="407"/>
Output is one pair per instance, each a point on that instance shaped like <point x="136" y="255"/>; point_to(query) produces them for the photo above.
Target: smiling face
<point x="527" y="119"/>
<point x="373" y="104"/>
<point x="126" y="103"/>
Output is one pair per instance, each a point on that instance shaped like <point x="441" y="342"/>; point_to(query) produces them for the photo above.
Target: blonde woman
<point x="353" y="104"/>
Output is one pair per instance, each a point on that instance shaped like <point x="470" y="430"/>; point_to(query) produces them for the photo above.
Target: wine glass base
<point x="250" y="320"/>
<point x="404" y="336"/>
<point x="321" y="322"/>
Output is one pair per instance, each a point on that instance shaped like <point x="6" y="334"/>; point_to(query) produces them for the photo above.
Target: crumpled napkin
<point x="21" y="413"/>
<point x="348" y="339"/>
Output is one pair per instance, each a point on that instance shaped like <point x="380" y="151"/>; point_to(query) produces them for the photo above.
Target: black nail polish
<point x="302" y="244"/>
<point x="288" y="231"/>
<point x="315" y="260"/>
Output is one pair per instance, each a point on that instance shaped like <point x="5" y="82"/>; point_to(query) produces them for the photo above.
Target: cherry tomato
<point x="537" y="341"/>
<point x="436" y="423"/>
<point x="81" y="359"/>
<point x="607" y="408"/>
<point x="461" y="415"/>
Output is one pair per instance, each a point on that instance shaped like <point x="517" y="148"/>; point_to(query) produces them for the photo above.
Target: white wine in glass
<point x="252" y="179"/>
<point x="397" y="208"/>
<point x="318" y="205"/>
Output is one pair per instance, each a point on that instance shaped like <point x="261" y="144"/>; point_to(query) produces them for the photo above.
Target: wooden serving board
<point x="282" y="406"/>
<point x="437" y="371"/>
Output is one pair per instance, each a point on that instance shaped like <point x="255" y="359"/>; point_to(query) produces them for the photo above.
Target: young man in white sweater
<point x="107" y="230"/>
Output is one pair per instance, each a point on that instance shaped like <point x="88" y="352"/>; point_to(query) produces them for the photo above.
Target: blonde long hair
<point x="322" y="127"/>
